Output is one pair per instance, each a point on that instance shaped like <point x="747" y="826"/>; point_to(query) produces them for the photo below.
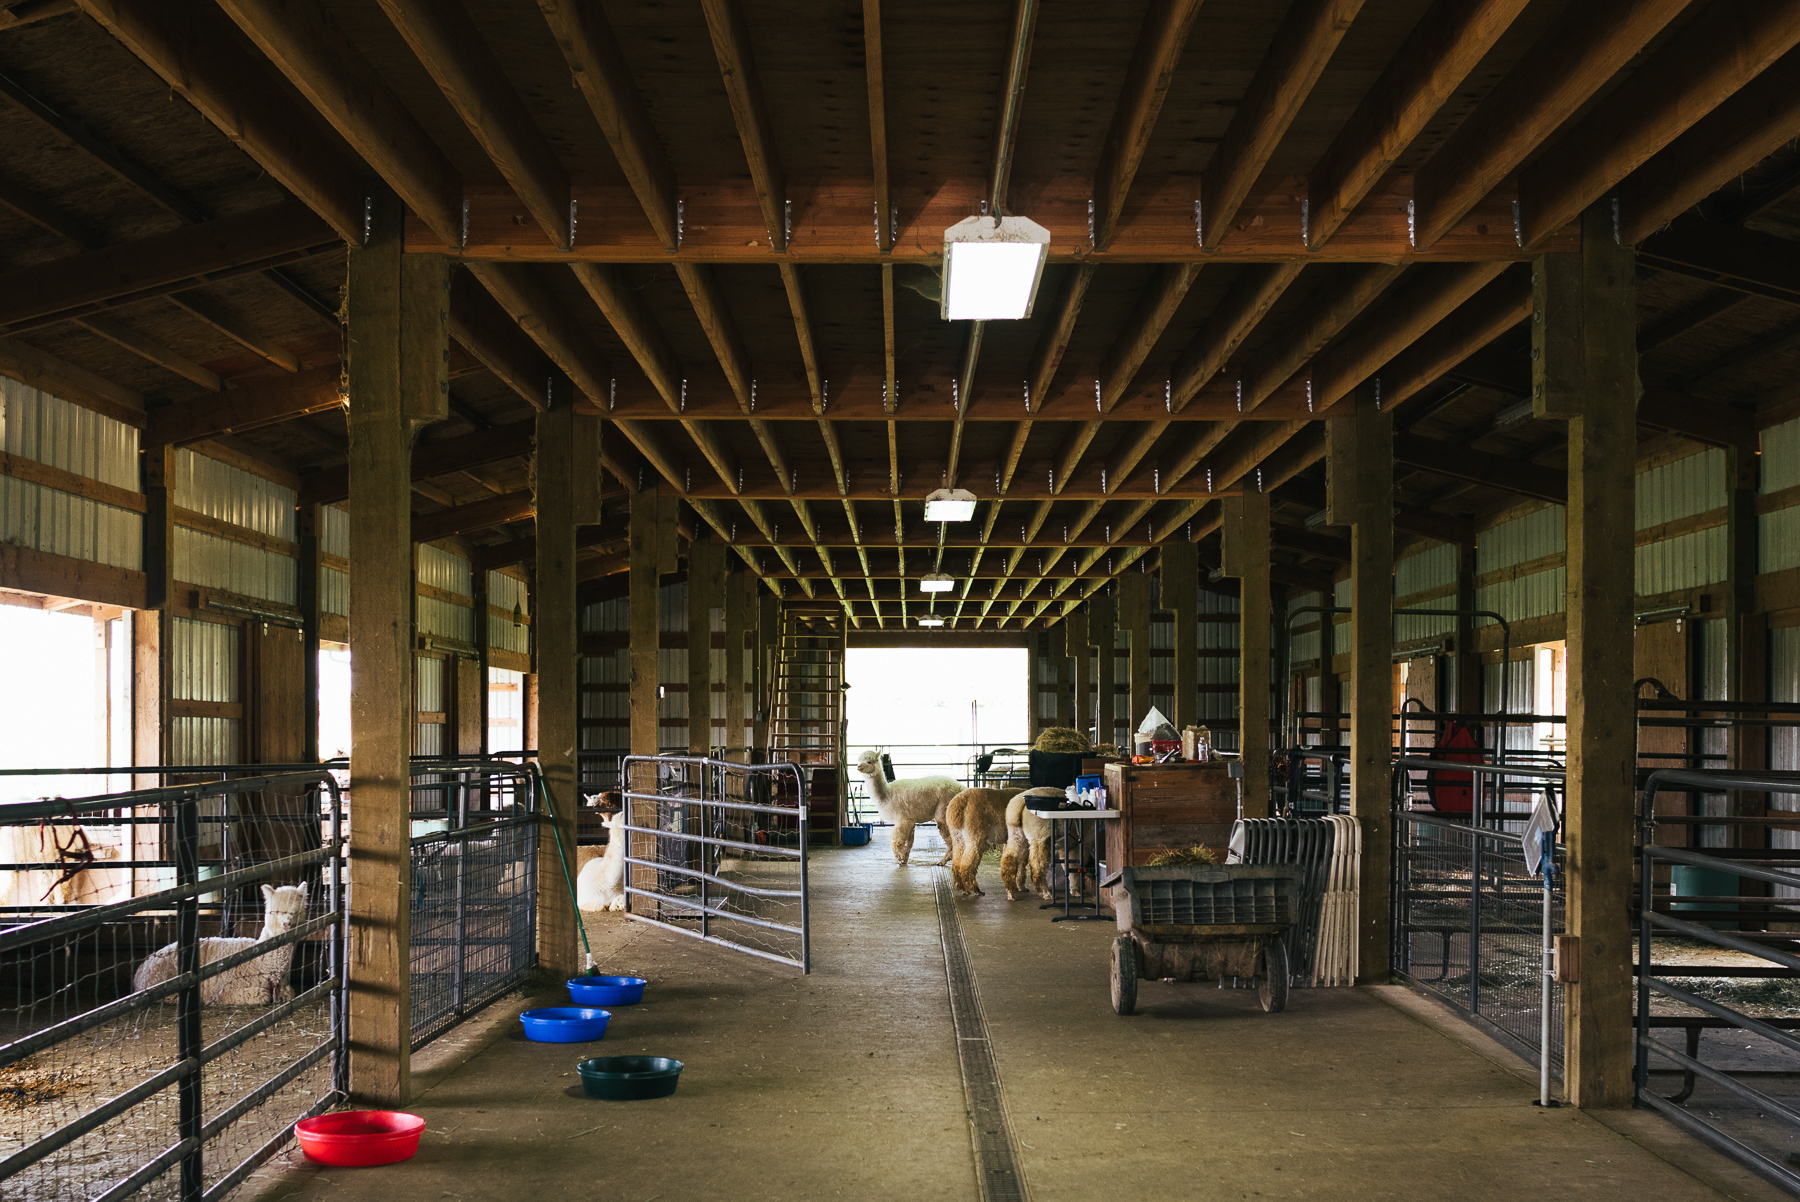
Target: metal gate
<point x="717" y="850"/>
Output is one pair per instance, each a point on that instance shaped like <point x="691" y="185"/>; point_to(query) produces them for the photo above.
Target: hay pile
<point x="1063" y="739"/>
<point x="22" y="1088"/>
<point x="1181" y="856"/>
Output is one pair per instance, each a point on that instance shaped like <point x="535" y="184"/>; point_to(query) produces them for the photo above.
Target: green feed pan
<point x="629" y="1078"/>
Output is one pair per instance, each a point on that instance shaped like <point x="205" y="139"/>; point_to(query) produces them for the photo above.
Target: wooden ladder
<point x="806" y="718"/>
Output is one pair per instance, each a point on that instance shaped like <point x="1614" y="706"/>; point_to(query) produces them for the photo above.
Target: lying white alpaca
<point x="258" y="982"/>
<point x="906" y="803"/>
<point x="1027" y="844"/>
<point x="600" y="885"/>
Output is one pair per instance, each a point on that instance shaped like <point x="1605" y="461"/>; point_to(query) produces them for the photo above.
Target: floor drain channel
<point x="997" y="1167"/>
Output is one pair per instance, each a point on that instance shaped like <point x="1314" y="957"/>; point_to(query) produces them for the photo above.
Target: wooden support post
<point x="1746" y="638"/>
<point x="1244" y="543"/>
<point x="1034" y="685"/>
<point x="740" y="606"/>
<point x="309" y="520"/>
<point x="705" y="593"/>
<point x="1467" y="697"/>
<point x="1056" y="649"/>
<point x="652" y="533"/>
<point x="568" y="496"/>
<point x="1102" y="631"/>
<point x="1080" y="670"/>
<point x="483" y="673"/>
<point x="1584" y="369"/>
<point x="768" y="635"/>
<point x="1181" y="597"/>
<point x="396" y="314"/>
<point x="1360" y="475"/>
<point x="1134" y="620"/>
<point x="151" y="635"/>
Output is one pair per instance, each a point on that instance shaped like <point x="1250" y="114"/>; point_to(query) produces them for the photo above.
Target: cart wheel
<point x="1272" y="986"/>
<point x="1124" y="976"/>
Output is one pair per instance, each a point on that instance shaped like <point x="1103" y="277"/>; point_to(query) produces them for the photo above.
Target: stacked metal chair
<point x="1321" y="943"/>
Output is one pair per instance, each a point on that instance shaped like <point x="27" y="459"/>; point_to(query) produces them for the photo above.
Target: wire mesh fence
<point x="474" y="890"/>
<point x="171" y="995"/>
<point x="717" y="851"/>
<point x="1469" y="926"/>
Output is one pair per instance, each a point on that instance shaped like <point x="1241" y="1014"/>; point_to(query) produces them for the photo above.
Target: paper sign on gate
<point x="1541" y="822"/>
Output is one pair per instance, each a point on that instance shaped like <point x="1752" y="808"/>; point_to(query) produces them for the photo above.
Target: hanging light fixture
<point x="936" y="582"/>
<point x="992" y="266"/>
<point x="949" y="505"/>
<point x="518" y="616"/>
<point x="931" y="621"/>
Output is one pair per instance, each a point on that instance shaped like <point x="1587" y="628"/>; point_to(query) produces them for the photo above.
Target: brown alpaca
<point x="977" y="822"/>
<point x="1027" y="844"/>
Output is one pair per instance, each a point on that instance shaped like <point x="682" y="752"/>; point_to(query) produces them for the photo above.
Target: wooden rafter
<point x="1325" y="315"/>
<point x="737" y="65"/>
<point x="1240" y="310"/>
<point x="1159" y="46"/>
<point x="874" y="71"/>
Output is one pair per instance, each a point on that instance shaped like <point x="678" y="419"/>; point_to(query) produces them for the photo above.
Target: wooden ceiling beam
<point x="1326" y="313"/>
<point x="1690" y="75"/>
<point x="600" y="71"/>
<point x="1304" y="43"/>
<point x="29" y="12"/>
<point x="307" y="46"/>
<point x="1485" y="316"/>
<point x="1479" y="467"/>
<point x="159" y="263"/>
<point x="965" y="387"/>
<point x="737" y="66"/>
<point x="236" y="410"/>
<point x="1704" y="421"/>
<point x="1153" y="62"/>
<point x="702" y="287"/>
<point x="1733" y="257"/>
<point x="460" y="60"/>
<point x="1426" y="295"/>
<point x="192" y="47"/>
<point x="485" y="329"/>
<point x="148" y="348"/>
<point x="1156" y="307"/>
<point x="1245" y="304"/>
<point x="1580" y="51"/>
<point x="1437" y="56"/>
<point x="874" y="73"/>
<point x="438" y="457"/>
<point x="476" y="515"/>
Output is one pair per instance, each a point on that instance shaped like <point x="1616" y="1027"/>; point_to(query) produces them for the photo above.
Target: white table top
<point x="1082" y="815"/>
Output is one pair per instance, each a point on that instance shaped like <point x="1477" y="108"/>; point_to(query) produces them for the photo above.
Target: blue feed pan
<point x="855" y="836"/>
<point x="607" y="991"/>
<point x="565" y="1024"/>
<point x="628" y="1078"/>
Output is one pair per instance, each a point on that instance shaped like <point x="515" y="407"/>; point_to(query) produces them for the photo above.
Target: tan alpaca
<point x="977" y="822"/>
<point x="1027" y="844"/>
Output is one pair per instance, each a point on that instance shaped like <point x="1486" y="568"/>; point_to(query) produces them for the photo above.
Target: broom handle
<point x="561" y="855"/>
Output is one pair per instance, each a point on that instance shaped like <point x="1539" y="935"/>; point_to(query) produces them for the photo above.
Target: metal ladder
<point x="806" y="718"/>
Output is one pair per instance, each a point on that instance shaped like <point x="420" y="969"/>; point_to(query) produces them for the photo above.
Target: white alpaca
<point x="258" y="982"/>
<point x="1027" y="845"/>
<point x="978" y="820"/>
<point x="600" y="885"/>
<point x="906" y="803"/>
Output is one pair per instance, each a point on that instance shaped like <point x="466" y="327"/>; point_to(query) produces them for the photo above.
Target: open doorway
<point x="934" y="708"/>
<point x="70" y="663"/>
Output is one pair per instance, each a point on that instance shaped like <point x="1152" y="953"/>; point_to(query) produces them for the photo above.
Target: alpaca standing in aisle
<point x="977" y="822"/>
<point x="906" y="803"/>
<point x="261" y="981"/>
<point x="1027" y="844"/>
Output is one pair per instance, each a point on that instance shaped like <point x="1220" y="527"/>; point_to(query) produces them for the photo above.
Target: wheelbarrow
<point x="1203" y="922"/>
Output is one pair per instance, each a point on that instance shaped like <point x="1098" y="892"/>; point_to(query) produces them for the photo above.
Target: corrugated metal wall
<point x="447" y="572"/>
<point x="431" y="696"/>
<point x="1424" y="571"/>
<point x="504" y="592"/>
<point x="1784" y="741"/>
<point x="1668" y="493"/>
<point x="334" y="539"/>
<point x="232" y="495"/>
<point x="35" y="425"/>
<point x="1779" y="531"/>
<point x="205" y="665"/>
<point x="1534" y="536"/>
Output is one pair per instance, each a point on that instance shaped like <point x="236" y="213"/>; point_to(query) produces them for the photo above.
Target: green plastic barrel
<point x="1687" y="880"/>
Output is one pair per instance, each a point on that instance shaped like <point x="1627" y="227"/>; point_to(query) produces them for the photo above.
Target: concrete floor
<point x="845" y="1083"/>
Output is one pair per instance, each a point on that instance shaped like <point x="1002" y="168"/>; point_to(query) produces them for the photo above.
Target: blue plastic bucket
<point x="565" y="1024"/>
<point x="607" y="991"/>
<point x="856" y="836"/>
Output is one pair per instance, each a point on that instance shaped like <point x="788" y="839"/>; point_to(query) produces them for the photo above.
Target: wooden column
<point x="1181" y="597"/>
<point x="705" y="593"/>
<point x="1584" y="369"/>
<point x="151" y="634"/>
<point x="652" y="553"/>
<point x="1075" y="641"/>
<point x="1244" y="543"/>
<point x="1034" y="685"/>
<point x="1360" y="477"/>
<point x="1056" y="649"/>
<point x="308" y="521"/>
<point x="567" y="496"/>
<point x="1746" y="641"/>
<point x="1134" y="620"/>
<point x="1101" y="616"/>
<point x="483" y="639"/>
<point x="768" y="635"/>
<point x="396" y="313"/>
<point x="1467" y="697"/>
<point x="740" y="606"/>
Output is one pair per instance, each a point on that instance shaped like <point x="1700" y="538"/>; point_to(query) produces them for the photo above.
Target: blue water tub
<point x="855" y="836"/>
<point x="565" y="1024"/>
<point x="607" y="991"/>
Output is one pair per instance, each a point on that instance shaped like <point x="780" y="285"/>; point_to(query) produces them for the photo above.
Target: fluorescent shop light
<point x="931" y="621"/>
<point x="991" y="268"/>
<point x="936" y="582"/>
<point x="950" y="505"/>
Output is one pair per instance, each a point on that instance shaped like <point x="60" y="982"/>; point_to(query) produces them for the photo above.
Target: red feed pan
<point x="355" y="1138"/>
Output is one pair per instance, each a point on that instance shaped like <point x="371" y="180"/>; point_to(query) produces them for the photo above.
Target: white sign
<point x="1541" y="822"/>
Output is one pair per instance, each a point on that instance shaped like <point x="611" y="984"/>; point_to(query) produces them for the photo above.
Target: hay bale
<point x="1181" y="856"/>
<point x="1064" y="740"/>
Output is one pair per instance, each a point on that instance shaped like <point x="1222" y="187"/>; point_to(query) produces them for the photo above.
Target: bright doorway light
<point x="991" y="268"/>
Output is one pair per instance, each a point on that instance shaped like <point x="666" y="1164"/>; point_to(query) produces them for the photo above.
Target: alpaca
<point x="1027" y="844"/>
<point x="977" y="822"/>
<point x="906" y="803"/>
<point x="262" y="981"/>
<point x="600" y="885"/>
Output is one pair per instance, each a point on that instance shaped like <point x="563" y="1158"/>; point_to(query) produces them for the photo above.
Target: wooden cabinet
<point x="1163" y="806"/>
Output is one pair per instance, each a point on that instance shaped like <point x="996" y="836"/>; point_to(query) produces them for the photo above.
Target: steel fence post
<point x="188" y="1043"/>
